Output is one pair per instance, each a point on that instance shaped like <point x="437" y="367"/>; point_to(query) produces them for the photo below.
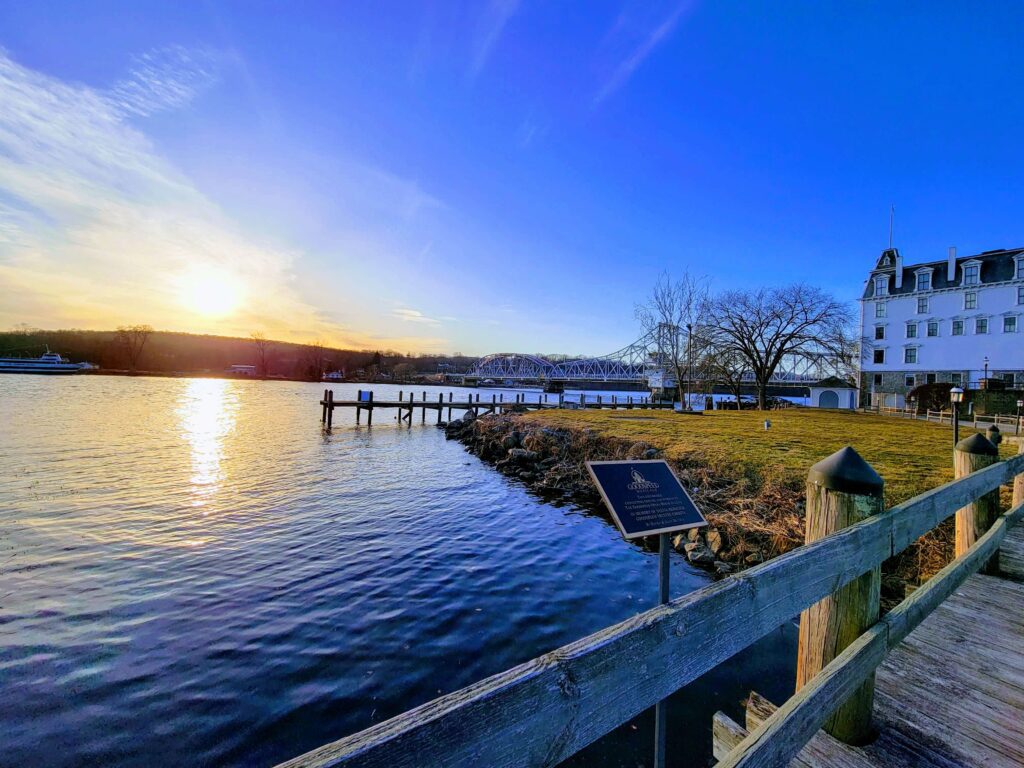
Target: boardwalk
<point x="949" y="696"/>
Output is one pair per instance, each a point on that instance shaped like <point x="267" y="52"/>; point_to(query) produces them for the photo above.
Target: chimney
<point x="951" y="268"/>
<point x="899" y="269"/>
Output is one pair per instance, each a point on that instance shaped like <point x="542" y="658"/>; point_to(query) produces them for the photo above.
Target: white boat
<point x="50" y="362"/>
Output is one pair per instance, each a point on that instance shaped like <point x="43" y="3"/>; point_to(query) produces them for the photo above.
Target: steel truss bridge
<point x="645" y="361"/>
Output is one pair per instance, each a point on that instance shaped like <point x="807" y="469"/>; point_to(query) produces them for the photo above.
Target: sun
<point x="210" y="291"/>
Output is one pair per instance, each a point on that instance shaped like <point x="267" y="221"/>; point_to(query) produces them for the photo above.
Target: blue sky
<point x="486" y="176"/>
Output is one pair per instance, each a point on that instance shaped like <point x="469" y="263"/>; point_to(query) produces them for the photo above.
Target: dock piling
<point x="330" y="407"/>
<point x="973" y="521"/>
<point x="842" y="490"/>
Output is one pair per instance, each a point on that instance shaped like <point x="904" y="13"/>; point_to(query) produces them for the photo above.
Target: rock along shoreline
<point x="551" y="462"/>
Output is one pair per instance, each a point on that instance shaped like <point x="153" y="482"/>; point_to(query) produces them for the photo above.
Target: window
<point x="881" y="285"/>
<point x="929" y="378"/>
<point x="922" y="306"/>
<point x="910" y="381"/>
<point x="879" y="332"/>
<point x="1008" y="378"/>
<point x="879" y="356"/>
<point x="958" y="327"/>
<point x="879" y="309"/>
<point x="981" y="325"/>
<point x="956" y="378"/>
<point x="1020" y="293"/>
<point x="971" y="300"/>
<point x="971" y="274"/>
<point x="911" y="330"/>
<point x="933" y="327"/>
<point x="878" y="379"/>
<point x="924" y="281"/>
<point x="910" y="355"/>
<point x="1020" y="267"/>
<point x="1009" y="325"/>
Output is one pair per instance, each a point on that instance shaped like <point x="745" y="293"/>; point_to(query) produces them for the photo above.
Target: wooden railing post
<point x="841" y="490"/>
<point x="1018" y="481"/>
<point x="971" y="454"/>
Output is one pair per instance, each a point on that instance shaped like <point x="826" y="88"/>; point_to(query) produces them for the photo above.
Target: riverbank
<point x="749" y="481"/>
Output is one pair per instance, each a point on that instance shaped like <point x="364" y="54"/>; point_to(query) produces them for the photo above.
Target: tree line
<point x="734" y="335"/>
<point x="140" y="348"/>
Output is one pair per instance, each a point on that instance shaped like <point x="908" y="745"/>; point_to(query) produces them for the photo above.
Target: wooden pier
<point x="937" y="681"/>
<point x="407" y="406"/>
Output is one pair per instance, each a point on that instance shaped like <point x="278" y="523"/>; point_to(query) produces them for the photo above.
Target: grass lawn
<point x="911" y="456"/>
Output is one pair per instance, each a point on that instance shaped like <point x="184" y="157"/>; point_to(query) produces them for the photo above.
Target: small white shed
<point x="834" y="392"/>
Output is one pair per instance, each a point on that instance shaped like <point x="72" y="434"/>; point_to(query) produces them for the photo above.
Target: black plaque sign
<point x="644" y="497"/>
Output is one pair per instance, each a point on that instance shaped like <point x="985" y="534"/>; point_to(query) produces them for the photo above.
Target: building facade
<point x="956" y="321"/>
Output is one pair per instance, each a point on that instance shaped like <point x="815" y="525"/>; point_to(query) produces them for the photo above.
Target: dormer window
<point x="1020" y="267"/>
<point x="881" y="285"/>
<point x="971" y="272"/>
<point x="924" y="281"/>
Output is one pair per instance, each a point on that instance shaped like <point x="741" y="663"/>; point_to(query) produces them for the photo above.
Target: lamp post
<point x="984" y="381"/>
<point x="956" y="396"/>
<point x="689" y="362"/>
<point x="1020" y="404"/>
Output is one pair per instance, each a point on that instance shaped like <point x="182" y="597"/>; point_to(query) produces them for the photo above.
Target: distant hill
<point x="167" y="352"/>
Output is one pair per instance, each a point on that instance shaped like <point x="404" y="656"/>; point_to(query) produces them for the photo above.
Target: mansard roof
<point x="996" y="267"/>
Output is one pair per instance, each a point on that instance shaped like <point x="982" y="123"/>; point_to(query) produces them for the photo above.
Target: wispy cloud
<point x="414" y="316"/>
<point x="167" y="78"/>
<point x="97" y="229"/>
<point x="491" y="25"/>
<point x="650" y="40"/>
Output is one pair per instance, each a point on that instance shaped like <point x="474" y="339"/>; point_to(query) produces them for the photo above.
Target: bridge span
<point x="644" y="362"/>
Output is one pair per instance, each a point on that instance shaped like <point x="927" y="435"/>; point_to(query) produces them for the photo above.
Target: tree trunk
<point x="762" y="395"/>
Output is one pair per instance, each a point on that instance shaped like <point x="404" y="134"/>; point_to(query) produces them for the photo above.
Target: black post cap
<point x="979" y="444"/>
<point x="845" y="471"/>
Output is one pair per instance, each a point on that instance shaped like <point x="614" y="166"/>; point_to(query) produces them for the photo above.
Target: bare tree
<point x="403" y="371"/>
<point x="726" y="366"/>
<point x="674" y="312"/>
<point x="262" y="344"/>
<point x="316" y="360"/>
<point x="132" y="339"/>
<point x="769" y="326"/>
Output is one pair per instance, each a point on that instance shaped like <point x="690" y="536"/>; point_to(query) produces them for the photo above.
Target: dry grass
<point x="750" y="481"/>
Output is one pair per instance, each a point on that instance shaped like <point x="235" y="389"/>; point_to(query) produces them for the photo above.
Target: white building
<point x="943" y="321"/>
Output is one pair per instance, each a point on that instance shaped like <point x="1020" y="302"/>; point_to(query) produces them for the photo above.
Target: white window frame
<point x="922" y="305"/>
<point x="879" y="333"/>
<point x="972" y="295"/>
<point x="879" y="309"/>
<point x="912" y="330"/>
<point x="882" y="285"/>
<point x="956" y="378"/>
<point x="972" y="268"/>
<point x="932" y="324"/>
<point x="1019" y="271"/>
<point x="1010" y="319"/>
<point x="1020" y="294"/>
<point x="907" y="353"/>
<point x="874" y="355"/>
<point x="952" y="328"/>
<point x="978" y="321"/>
<point x="927" y="275"/>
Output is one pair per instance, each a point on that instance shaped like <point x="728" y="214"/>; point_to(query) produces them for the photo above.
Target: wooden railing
<point x="543" y="711"/>
<point x="1006" y="423"/>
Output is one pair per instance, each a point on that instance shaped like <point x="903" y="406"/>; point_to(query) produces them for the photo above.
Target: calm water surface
<point x="191" y="571"/>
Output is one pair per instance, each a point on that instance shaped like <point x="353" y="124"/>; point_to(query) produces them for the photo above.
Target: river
<point x="193" y="572"/>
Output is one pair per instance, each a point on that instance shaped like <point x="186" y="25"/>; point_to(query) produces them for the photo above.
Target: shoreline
<point x="551" y="461"/>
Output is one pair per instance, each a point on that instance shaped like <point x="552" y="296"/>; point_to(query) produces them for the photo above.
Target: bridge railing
<point x="543" y="711"/>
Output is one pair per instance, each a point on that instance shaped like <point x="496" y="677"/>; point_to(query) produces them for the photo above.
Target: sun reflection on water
<point x="207" y="411"/>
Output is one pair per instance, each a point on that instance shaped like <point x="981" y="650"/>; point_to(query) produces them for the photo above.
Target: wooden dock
<point x="938" y="681"/>
<point x="407" y="406"/>
<point x="951" y="695"/>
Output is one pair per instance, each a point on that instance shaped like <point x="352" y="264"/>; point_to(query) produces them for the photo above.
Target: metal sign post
<point x="645" y="498"/>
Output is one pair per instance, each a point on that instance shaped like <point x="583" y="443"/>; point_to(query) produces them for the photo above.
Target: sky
<point x="494" y="175"/>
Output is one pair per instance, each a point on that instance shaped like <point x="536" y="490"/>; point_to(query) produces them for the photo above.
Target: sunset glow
<point x="210" y="291"/>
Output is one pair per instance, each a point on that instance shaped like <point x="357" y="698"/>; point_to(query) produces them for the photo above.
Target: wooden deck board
<point x="1011" y="556"/>
<point x="956" y="684"/>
